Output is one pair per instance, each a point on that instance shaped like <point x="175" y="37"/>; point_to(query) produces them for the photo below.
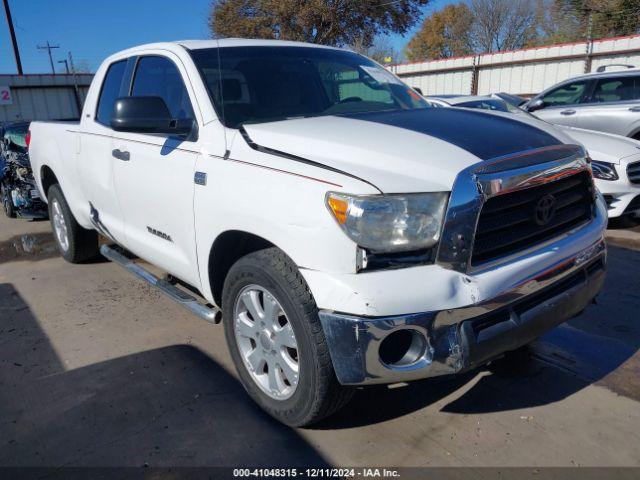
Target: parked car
<point x="347" y="233"/>
<point x="511" y="99"/>
<point x="615" y="160"/>
<point x="18" y="191"/>
<point x="607" y="101"/>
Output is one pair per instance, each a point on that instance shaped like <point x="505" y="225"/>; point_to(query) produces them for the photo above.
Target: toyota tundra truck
<point x="343" y="231"/>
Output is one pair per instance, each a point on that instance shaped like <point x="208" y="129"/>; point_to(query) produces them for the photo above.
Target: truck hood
<point x="605" y="147"/>
<point x="402" y="151"/>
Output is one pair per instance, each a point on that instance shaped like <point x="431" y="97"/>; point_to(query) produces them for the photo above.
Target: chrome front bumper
<point x="459" y="339"/>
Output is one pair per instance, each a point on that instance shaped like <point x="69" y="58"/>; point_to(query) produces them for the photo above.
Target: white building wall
<point x="523" y="72"/>
<point x="442" y="83"/>
<point x="43" y="97"/>
<point x="527" y="79"/>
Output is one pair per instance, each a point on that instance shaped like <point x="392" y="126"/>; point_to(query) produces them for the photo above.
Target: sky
<point x="94" y="29"/>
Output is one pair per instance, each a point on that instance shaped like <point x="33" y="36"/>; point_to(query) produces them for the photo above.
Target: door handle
<point x="567" y="112"/>
<point x="634" y="109"/>
<point x="121" y="155"/>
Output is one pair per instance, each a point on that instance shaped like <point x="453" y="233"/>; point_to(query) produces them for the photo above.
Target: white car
<point x="349" y="233"/>
<point x="615" y="159"/>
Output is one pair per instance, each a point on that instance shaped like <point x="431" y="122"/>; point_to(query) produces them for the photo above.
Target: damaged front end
<point x="20" y="196"/>
<point x="374" y="350"/>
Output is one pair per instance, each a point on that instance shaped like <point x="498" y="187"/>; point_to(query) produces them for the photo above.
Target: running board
<point x="210" y="314"/>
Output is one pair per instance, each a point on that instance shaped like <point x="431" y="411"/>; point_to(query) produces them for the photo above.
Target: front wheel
<point x="276" y="340"/>
<point x="75" y="243"/>
<point x="7" y="203"/>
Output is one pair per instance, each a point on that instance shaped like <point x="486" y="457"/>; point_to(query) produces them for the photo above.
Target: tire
<point x="75" y="243"/>
<point x="317" y="393"/>
<point x="7" y="204"/>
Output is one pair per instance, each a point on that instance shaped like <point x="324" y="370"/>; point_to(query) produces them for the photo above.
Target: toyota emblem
<point x="545" y="209"/>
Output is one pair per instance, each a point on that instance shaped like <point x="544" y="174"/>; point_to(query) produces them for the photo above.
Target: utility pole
<point x="12" y="33"/>
<point x="73" y="67"/>
<point x="587" y="59"/>
<point x="48" y="48"/>
<point x="66" y="65"/>
<point x="76" y="88"/>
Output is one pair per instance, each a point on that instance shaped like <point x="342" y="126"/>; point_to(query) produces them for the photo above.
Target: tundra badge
<point x="160" y="234"/>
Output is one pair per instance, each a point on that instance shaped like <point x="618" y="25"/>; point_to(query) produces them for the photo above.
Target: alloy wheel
<point x="60" y="225"/>
<point x="267" y="342"/>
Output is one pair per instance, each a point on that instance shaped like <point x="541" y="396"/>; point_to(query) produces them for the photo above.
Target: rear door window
<point x="617" y="89"/>
<point x="159" y="77"/>
<point x="110" y="91"/>
<point x="568" y="94"/>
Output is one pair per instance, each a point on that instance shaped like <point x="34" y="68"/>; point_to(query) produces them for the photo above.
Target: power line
<point x="48" y="47"/>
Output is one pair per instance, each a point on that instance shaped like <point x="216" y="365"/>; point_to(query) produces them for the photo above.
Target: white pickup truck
<point x="345" y="232"/>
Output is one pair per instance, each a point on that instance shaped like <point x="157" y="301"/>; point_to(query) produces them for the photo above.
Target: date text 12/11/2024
<point x="316" y="473"/>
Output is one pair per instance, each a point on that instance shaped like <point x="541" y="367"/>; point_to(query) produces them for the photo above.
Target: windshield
<point x="263" y="83"/>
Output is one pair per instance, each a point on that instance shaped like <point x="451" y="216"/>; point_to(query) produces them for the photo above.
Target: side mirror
<point x="419" y="90"/>
<point x="147" y="115"/>
<point x="535" y="104"/>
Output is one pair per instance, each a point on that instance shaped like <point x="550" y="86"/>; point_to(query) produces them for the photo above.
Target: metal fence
<point x="42" y="97"/>
<point x="521" y="72"/>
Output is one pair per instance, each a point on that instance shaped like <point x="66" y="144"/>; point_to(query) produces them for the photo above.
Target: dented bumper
<point x="370" y="350"/>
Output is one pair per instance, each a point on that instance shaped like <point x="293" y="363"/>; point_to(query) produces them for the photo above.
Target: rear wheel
<point x="75" y="243"/>
<point x="7" y="203"/>
<point x="276" y="340"/>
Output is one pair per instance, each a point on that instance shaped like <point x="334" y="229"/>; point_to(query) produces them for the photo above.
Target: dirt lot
<point x="98" y="369"/>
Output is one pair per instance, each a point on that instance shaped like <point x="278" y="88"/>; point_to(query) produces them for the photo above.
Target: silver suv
<point x="607" y="101"/>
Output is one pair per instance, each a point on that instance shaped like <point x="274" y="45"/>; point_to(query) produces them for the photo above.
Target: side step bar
<point x="210" y="314"/>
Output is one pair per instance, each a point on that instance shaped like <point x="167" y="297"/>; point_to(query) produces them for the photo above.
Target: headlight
<point x="604" y="170"/>
<point x="390" y="223"/>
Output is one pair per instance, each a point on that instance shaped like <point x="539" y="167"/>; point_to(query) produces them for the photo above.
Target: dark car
<point x="18" y="189"/>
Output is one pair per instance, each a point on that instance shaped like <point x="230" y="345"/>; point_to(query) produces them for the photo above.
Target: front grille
<point x="633" y="172"/>
<point x="515" y="221"/>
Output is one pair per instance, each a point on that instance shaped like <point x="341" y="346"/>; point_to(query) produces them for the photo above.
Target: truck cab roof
<point x="221" y="43"/>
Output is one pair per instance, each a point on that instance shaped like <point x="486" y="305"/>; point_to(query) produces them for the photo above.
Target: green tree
<point x="504" y="24"/>
<point x="329" y="22"/>
<point x="476" y="26"/>
<point x="445" y="33"/>
<point x="571" y="20"/>
<point x="382" y="51"/>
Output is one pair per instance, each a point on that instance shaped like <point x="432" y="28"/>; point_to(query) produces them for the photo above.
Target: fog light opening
<point x="402" y="348"/>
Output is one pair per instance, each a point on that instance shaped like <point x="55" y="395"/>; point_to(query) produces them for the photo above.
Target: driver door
<point x="154" y="176"/>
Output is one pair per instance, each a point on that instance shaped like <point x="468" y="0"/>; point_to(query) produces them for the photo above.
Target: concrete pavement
<point x="96" y="368"/>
